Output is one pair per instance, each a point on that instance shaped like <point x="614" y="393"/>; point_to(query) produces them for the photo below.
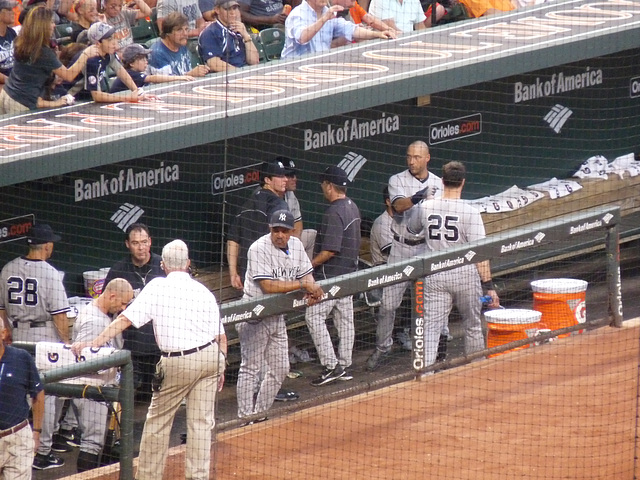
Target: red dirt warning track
<point x="566" y="410"/>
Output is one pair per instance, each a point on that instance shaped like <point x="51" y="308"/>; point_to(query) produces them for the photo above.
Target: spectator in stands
<point x="123" y="18"/>
<point x="35" y="60"/>
<point x="263" y="13"/>
<point x="86" y="15"/>
<point x="135" y="60"/>
<point x="170" y="55"/>
<point x="94" y="84"/>
<point x="403" y="15"/>
<point x="60" y="9"/>
<point x="7" y="36"/>
<point x="189" y="8"/>
<point x="207" y="9"/>
<point x="356" y="14"/>
<point x="479" y="8"/>
<point x="225" y="44"/>
<point x="353" y="12"/>
<point x="311" y="26"/>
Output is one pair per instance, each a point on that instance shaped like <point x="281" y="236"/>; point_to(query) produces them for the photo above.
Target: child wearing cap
<point x="136" y="60"/>
<point x="95" y="83"/>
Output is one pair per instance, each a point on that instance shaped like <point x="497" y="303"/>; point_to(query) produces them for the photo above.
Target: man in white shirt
<point x="186" y="321"/>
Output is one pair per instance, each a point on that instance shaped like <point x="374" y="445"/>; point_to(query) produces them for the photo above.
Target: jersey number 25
<point x="447" y="227"/>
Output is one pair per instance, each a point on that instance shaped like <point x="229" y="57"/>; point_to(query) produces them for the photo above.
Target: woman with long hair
<point x="35" y="60"/>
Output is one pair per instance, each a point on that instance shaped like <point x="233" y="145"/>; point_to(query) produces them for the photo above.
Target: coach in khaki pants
<point x="187" y="326"/>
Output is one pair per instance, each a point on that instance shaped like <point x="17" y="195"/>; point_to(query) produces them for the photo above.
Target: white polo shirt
<point x="184" y="312"/>
<point x="405" y="14"/>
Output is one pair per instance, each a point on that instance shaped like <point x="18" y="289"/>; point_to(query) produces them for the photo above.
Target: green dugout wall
<point x="517" y="130"/>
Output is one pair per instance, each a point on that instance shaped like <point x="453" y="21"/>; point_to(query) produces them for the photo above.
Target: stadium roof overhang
<point x="276" y="94"/>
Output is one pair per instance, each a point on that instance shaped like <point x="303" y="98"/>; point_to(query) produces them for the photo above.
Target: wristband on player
<point x="418" y="196"/>
<point x="488" y="285"/>
<point x="39" y="430"/>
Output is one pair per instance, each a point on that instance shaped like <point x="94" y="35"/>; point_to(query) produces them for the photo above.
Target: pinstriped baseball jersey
<point x="381" y="238"/>
<point x="294" y="205"/>
<point x="268" y="262"/>
<point x="404" y="185"/>
<point x="31" y="291"/>
<point x="446" y="223"/>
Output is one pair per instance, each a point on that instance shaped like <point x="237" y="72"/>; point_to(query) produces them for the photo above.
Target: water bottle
<point x="486" y="299"/>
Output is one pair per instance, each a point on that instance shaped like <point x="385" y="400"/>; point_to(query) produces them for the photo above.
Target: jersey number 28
<point x="447" y="227"/>
<point x="23" y="291"/>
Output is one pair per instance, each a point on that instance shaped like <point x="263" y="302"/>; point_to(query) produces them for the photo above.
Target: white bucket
<point x="93" y="282"/>
<point x="559" y="285"/>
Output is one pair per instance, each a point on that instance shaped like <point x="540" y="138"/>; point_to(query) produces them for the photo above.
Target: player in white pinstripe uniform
<point x="381" y="237"/>
<point x="406" y="189"/>
<point x="276" y="263"/>
<point x="447" y="222"/>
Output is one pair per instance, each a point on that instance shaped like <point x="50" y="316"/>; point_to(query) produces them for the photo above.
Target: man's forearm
<point x="321" y="258"/>
<point x="61" y="322"/>
<point x="116" y="327"/>
<point x="233" y="249"/>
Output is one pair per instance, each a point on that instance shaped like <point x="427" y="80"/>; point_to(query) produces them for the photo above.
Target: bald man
<point x="407" y="189"/>
<point x="92" y="319"/>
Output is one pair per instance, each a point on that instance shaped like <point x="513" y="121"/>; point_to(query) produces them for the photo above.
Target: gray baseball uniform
<point x="381" y="239"/>
<point x="446" y="223"/>
<point x="31" y="291"/>
<point x="405" y="245"/>
<point x="92" y="416"/>
<point x="263" y="343"/>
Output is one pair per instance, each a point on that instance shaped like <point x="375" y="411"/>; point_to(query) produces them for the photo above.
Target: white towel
<point x="50" y="355"/>
<point x="557" y="188"/>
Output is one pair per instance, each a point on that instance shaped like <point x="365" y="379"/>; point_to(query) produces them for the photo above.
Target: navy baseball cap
<point x="274" y="168"/>
<point x="282" y="218"/>
<point x="289" y="165"/>
<point x="335" y="175"/>
<point x="42" y="233"/>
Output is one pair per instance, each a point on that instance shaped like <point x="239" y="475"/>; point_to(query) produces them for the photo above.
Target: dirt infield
<point x="566" y="410"/>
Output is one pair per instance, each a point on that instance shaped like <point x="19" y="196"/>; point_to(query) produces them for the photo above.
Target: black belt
<point x="406" y="241"/>
<point x="182" y="353"/>
<point x="14" y="429"/>
<point x="31" y="324"/>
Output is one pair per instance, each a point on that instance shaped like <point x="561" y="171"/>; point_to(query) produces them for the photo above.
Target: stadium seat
<point x="154" y="21"/>
<point x="149" y="43"/>
<point x="62" y="33"/>
<point x="143" y="31"/>
<point x="272" y="39"/>
<point x="192" y="46"/>
<point x="261" y="54"/>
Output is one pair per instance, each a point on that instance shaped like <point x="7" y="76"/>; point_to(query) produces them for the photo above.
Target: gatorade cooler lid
<point x="559" y="285"/>
<point x="512" y="316"/>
